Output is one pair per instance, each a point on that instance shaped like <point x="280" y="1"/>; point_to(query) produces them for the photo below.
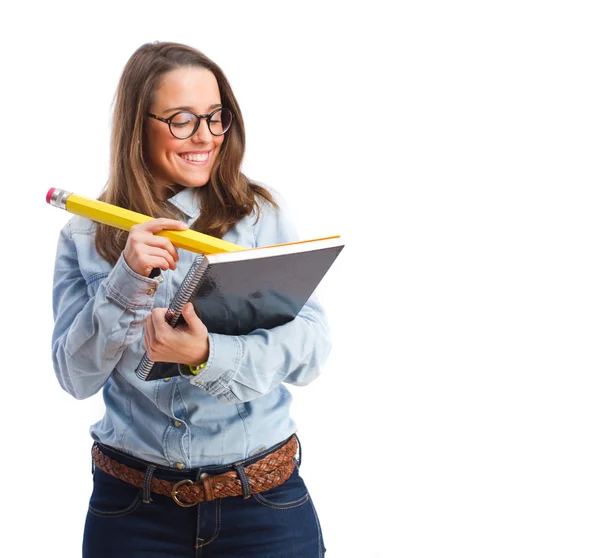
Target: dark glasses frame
<point x="199" y="118"/>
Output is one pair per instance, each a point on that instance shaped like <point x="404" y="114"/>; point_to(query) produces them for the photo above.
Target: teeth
<point x="198" y="157"/>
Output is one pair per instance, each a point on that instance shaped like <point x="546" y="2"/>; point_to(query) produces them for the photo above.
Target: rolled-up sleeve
<point x="91" y="332"/>
<point x="242" y="368"/>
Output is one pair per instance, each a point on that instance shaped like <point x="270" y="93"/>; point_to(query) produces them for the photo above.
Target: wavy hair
<point x="227" y="197"/>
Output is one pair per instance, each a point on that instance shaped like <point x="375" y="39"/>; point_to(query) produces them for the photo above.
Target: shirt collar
<point x="187" y="200"/>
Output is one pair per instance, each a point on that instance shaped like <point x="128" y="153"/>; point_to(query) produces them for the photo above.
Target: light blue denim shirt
<point x="237" y="405"/>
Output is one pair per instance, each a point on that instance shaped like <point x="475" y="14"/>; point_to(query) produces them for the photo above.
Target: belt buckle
<point x="174" y="494"/>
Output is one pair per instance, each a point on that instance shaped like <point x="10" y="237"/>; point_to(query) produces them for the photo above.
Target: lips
<point x="195" y="157"/>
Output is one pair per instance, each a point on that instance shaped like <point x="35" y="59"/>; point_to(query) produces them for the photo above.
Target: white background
<point x="455" y="147"/>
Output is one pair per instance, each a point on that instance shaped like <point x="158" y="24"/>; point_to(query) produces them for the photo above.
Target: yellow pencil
<point x="115" y="216"/>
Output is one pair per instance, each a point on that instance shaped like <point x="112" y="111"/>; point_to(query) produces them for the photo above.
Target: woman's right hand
<point x="144" y="250"/>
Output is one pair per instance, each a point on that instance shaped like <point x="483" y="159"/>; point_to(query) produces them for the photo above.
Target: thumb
<point x="190" y="316"/>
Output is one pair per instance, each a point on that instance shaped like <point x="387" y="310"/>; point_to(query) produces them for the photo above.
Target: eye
<point x="183" y="119"/>
<point x="217" y="116"/>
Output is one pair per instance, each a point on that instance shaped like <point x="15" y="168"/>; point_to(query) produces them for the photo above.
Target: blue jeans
<point x="129" y="522"/>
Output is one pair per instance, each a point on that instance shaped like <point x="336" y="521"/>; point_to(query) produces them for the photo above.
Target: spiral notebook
<point x="235" y="293"/>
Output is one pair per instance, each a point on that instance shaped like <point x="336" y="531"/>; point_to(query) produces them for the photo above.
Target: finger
<point x="139" y="242"/>
<point x="160" y="253"/>
<point x="147" y="342"/>
<point x="148" y="332"/>
<point x="162" y="224"/>
<point x="149" y="262"/>
<point x="157" y="316"/>
<point x="191" y="318"/>
<point x="156" y="326"/>
<point x="160" y="242"/>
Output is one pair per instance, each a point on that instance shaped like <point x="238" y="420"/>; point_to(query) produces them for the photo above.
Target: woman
<point x="202" y="464"/>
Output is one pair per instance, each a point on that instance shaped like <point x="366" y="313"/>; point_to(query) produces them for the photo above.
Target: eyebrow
<point x="190" y="109"/>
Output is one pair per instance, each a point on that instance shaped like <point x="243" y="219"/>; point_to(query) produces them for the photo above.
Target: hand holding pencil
<point x="146" y="251"/>
<point x="125" y="219"/>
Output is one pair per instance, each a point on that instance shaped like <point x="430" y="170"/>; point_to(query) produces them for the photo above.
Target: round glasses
<point x="184" y="124"/>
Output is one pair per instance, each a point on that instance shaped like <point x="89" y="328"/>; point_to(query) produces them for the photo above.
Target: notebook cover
<point x="237" y="297"/>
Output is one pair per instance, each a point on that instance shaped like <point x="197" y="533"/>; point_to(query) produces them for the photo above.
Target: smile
<point x="195" y="157"/>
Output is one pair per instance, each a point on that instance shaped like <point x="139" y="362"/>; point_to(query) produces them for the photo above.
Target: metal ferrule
<point x="59" y="198"/>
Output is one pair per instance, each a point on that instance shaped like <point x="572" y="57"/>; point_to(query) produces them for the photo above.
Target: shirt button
<point x="151" y="291"/>
<point x="179" y="465"/>
<point x="167" y="379"/>
<point x="177" y="423"/>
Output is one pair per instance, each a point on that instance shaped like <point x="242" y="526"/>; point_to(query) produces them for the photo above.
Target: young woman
<point x="201" y="464"/>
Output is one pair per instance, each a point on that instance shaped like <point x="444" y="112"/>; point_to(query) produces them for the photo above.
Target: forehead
<point x="190" y="86"/>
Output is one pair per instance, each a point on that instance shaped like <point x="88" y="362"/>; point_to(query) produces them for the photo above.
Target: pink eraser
<point x="49" y="194"/>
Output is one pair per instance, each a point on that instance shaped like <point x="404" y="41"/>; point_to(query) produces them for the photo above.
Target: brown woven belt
<point x="266" y="473"/>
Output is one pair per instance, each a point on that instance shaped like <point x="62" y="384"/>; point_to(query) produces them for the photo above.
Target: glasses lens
<point x="182" y="124"/>
<point x="220" y="121"/>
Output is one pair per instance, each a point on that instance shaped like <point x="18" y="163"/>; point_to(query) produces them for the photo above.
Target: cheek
<point x="162" y="153"/>
<point x="161" y="144"/>
<point x="170" y="146"/>
<point x="218" y="142"/>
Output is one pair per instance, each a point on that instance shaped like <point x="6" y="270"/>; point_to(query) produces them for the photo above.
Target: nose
<point x="202" y="134"/>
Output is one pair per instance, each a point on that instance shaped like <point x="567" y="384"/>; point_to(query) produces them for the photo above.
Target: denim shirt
<point x="235" y="407"/>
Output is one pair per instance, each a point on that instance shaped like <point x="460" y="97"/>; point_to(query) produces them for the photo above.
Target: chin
<point x="194" y="182"/>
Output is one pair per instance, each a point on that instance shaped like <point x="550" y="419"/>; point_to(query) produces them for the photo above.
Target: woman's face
<point x="186" y="162"/>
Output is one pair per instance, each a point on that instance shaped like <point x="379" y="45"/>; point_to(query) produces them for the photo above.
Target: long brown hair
<point x="225" y="199"/>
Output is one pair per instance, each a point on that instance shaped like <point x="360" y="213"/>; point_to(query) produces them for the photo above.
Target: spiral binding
<point x="186" y="291"/>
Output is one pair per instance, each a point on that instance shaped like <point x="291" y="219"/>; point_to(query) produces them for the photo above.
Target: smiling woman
<point x="165" y="86"/>
<point x="205" y="462"/>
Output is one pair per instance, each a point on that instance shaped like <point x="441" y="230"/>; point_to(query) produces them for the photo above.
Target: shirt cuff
<point x="130" y="289"/>
<point x="223" y="359"/>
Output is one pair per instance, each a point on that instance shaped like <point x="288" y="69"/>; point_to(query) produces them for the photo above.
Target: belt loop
<point x="92" y="456"/>
<point x="299" y="462"/>
<point x="147" y="499"/>
<point x="244" y="479"/>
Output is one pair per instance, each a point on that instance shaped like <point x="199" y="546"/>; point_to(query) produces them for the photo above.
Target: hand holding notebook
<point x="187" y="343"/>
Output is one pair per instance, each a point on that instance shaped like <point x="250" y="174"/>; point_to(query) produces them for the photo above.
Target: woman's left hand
<point x="185" y="344"/>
